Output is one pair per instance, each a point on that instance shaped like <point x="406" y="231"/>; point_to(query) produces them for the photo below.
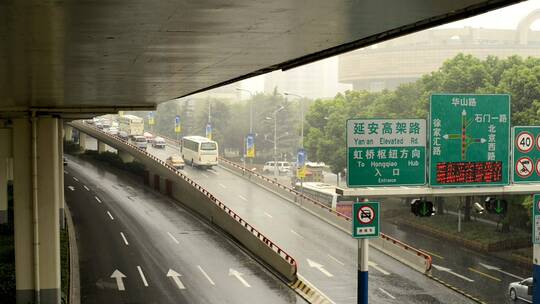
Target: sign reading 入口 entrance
<point x="469" y="139"/>
<point x="386" y="152"/>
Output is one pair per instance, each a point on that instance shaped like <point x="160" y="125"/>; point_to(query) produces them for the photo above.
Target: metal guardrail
<point x="209" y="195"/>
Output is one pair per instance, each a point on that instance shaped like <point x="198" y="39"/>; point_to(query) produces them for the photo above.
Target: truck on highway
<point x="131" y="124"/>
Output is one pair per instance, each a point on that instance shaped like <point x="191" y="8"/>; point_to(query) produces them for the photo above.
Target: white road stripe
<point x="374" y="265"/>
<point x="142" y="276"/>
<point x="387" y="293"/>
<point x="269" y="215"/>
<point x="297" y="234"/>
<point x="75" y="179"/>
<point x="110" y="215"/>
<point x="222" y="186"/>
<point x="214" y="172"/>
<point x="97" y="199"/>
<point x="242" y="197"/>
<point x="336" y="260"/>
<point x="87" y="189"/>
<point x="124" y="237"/>
<point x="206" y="275"/>
<point x="172" y="237"/>
<point x="206" y="176"/>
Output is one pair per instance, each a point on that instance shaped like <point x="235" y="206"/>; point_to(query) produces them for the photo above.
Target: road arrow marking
<point x="206" y="275"/>
<point x="440" y="268"/>
<point x="87" y="189"/>
<point x="119" y="277"/>
<point x="314" y="264"/>
<point x="238" y="275"/>
<point x="374" y="265"/>
<point x="110" y="215"/>
<point x="124" y="237"/>
<point x="176" y="277"/>
<point x="97" y="199"/>
<point x="142" y="276"/>
<point x="489" y="267"/>
<point x="71" y="188"/>
<point x="172" y="237"/>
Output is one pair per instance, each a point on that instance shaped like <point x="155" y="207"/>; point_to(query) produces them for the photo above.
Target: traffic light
<point x="497" y="206"/>
<point x="421" y="207"/>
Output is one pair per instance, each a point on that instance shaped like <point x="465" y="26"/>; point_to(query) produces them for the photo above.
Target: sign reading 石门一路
<point x="526" y="154"/>
<point x="469" y="137"/>
<point x="386" y="152"/>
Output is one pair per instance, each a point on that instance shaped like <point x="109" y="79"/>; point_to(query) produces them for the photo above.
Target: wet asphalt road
<point x="307" y="238"/>
<point x="120" y="225"/>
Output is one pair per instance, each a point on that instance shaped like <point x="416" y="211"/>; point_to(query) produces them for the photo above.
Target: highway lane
<point x="121" y="225"/>
<point x="327" y="256"/>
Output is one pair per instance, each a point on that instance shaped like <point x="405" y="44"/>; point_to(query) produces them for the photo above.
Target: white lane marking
<point x="75" y="179"/>
<point x="441" y="268"/>
<point x="205" y="176"/>
<point x="320" y="267"/>
<point x="222" y="186"/>
<point x="110" y="215"/>
<point x="97" y="199"/>
<point x="374" y="265"/>
<point x="124" y="237"/>
<point x="119" y="276"/>
<point x="71" y="188"/>
<point x="87" y="189"/>
<point x="315" y="288"/>
<point x="238" y="275"/>
<point x="297" y="234"/>
<point x="241" y="197"/>
<point x="387" y="293"/>
<point x="213" y="172"/>
<point x="176" y="277"/>
<point x="206" y="275"/>
<point x="172" y="237"/>
<point x="500" y="270"/>
<point x="269" y="215"/>
<point x="142" y="276"/>
<point x="336" y="260"/>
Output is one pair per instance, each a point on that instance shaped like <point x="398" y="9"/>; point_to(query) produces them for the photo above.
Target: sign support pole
<point x="536" y="274"/>
<point x="363" y="271"/>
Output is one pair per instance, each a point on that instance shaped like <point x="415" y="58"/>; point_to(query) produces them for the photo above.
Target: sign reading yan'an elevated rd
<point x="469" y="137"/>
<point x="386" y="152"/>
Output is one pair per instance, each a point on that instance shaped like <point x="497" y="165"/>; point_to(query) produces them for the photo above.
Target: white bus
<point x="199" y="151"/>
<point x="131" y="124"/>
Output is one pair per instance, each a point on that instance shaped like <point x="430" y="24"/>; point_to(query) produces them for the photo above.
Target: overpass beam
<point x="36" y="207"/>
<point x="5" y="155"/>
<point x="125" y="157"/>
<point x="101" y="146"/>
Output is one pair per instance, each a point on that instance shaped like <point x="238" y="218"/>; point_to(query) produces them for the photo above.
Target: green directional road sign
<point x="526" y="154"/>
<point x="469" y="140"/>
<point x="536" y="219"/>
<point x="386" y="152"/>
<point x="366" y="220"/>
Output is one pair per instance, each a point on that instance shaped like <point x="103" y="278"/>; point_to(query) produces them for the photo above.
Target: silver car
<point x="521" y="290"/>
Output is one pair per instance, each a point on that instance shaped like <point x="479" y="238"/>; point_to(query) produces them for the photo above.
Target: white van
<point x="139" y="141"/>
<point x="158" y="142"/>
<point x="283" y="167"/>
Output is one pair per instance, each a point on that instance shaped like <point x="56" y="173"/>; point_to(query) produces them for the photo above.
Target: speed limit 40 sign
<point x="526" y="154"/>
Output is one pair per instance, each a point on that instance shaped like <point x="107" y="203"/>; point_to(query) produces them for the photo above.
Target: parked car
<point x="283" y="167"/>
<point x="175" y="161"/>
<point x="158" y="142"/>
<point x="521" y="290"/>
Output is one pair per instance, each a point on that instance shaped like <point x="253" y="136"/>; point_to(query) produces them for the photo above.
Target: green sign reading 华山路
<point x="469" y="139"/>
<point x="386" y="152"/>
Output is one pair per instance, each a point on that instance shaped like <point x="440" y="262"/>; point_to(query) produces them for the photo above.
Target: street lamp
<point x="250" y="109"/>
<point x="301" y="116"/>
<point x="275" y="139"/>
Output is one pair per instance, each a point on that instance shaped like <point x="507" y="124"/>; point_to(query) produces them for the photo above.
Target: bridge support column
<point x="5" y="154"/>
<point x="82" y="141"/>
<point x="68" y="133"/>
<point x="36" y="196"/>
<point x="126" y="157"/>
<point x="101" y="146"/>
<point x="61" y="201"/>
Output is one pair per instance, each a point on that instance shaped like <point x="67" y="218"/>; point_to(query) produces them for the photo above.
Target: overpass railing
<point x="395" y="248"/>
<point x="114" y="140"/>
